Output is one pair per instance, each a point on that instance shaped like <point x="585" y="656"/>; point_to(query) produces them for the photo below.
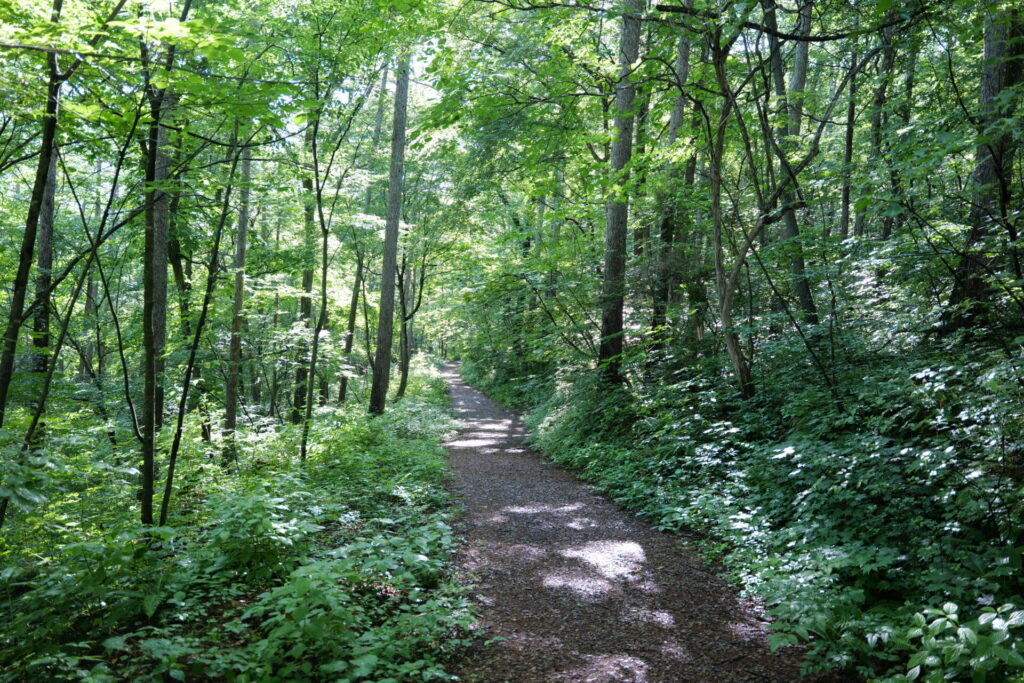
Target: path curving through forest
<point x="577" y="589"/>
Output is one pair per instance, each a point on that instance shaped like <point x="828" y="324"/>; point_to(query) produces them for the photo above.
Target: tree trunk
<point x="154" y="299"/>
<point x="642" y="233"/>
<point x="726" y="286"/>
<point x="87" y="366"/>
<point x="306" y="302"/>
<point x="794" y="117"/>
<point x="613" y="285"/>
<point x="888" y="61"/>
<point x="992" y="177"/>
<point x="671" y="214"/>
<point x="235" y="351"/>
<point x="385" y="325"/>
<point x="28" y="239"/>
<point x="406" y="297"/>
<point x="350" y="328"/>
<point x="851" y="117"/>
<point x="186" y="383"/>
<point x="353" y="309"/>
<point x="92" y="350"/>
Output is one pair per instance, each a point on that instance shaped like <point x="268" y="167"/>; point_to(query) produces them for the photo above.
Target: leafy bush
<point x="336" y="568"/>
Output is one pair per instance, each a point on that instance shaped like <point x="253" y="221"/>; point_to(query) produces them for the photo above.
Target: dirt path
<point x="578" y="589"/>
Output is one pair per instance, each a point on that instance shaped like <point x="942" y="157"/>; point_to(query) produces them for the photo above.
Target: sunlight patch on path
<point x="613" y="559"/>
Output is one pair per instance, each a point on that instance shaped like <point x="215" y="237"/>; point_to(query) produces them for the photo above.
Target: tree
<point x="613" y="288"/>
<point x="385" y="324"/>
<point x="992" y="179"/>
<point x="237" y="318"/>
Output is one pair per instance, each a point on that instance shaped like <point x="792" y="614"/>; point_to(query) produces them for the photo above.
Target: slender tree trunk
<point x="91" y="348"/>
<point x="642" y="232"/>
<point x="726" y="286"/>
<point x="186" y="382"/>
<point x="275" y="377"/>
<point x="350" y="328"/>
<point x="161" y="218"/>
<point x="321" y="321"/>
<point x="237" y="319"/>
<point x="302" y="371"/>
<point x="613" y="286"/>
<point x="87" y="367"/>
<point x="793" y="102"/>
<point x="406" y="297"/>
<point x="154" y="306"/>
<point x="44" y="266"/>
<point x="992" y="178"/>
<point x="851" y="117"/>
<point x="382" y="363"/>
<point x="306" y="302"/>
<point x="357" y="285"/>
<point x="671" y="214"/>
<point x="878" y="101"/>
<point x="19" y="289"/>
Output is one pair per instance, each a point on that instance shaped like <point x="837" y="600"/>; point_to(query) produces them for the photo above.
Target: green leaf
<point x="150" y="603"/>
<point x="115" y="642"/>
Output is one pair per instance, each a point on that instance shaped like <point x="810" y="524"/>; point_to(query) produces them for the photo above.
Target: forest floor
<point x="572" y="588"/>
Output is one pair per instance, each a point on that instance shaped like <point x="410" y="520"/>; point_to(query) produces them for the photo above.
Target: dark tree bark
<point x="353" y="309"/>
<point x="44" y="266"/>
<point x="154" y="325"/>
<point x="19" y="289"/>
<point x="793" y="102"/>
<point x="665" y="272"/>
<point x="851" y="118"/>
<point x="613" y="287"/>
<point x="154" y="310"/>
<point x="350" y="328"/>
<point x="306" y="302"/>
<point x="1002" y="70"/>
<point x="385" y="325"/>
<point x="237" y="318"/>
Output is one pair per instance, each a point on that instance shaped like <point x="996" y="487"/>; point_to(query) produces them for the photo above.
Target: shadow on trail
<point x="578" y="589"/>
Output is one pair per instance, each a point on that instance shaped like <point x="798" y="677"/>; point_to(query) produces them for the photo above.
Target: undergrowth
<point x="271" y="569"/>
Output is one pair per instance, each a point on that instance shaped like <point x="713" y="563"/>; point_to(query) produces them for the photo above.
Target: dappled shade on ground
<point x="579" y="590"/>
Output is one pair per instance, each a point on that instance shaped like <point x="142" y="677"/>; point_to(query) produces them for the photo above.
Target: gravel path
<point x="577" y="589"/>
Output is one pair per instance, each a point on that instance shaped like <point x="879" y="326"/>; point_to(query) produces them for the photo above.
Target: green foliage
<point x="257" y="533"/>
<point x="988" y="647"/>
<point x="338" y="568"/>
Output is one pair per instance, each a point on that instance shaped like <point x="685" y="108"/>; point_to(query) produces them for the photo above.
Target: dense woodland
<point x="754" y="268"/>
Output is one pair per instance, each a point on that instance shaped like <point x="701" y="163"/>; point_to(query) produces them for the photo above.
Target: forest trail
<point x="578" y="589"/>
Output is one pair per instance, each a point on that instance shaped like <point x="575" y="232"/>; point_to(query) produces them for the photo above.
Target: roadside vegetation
<point x="333" y="569"/>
